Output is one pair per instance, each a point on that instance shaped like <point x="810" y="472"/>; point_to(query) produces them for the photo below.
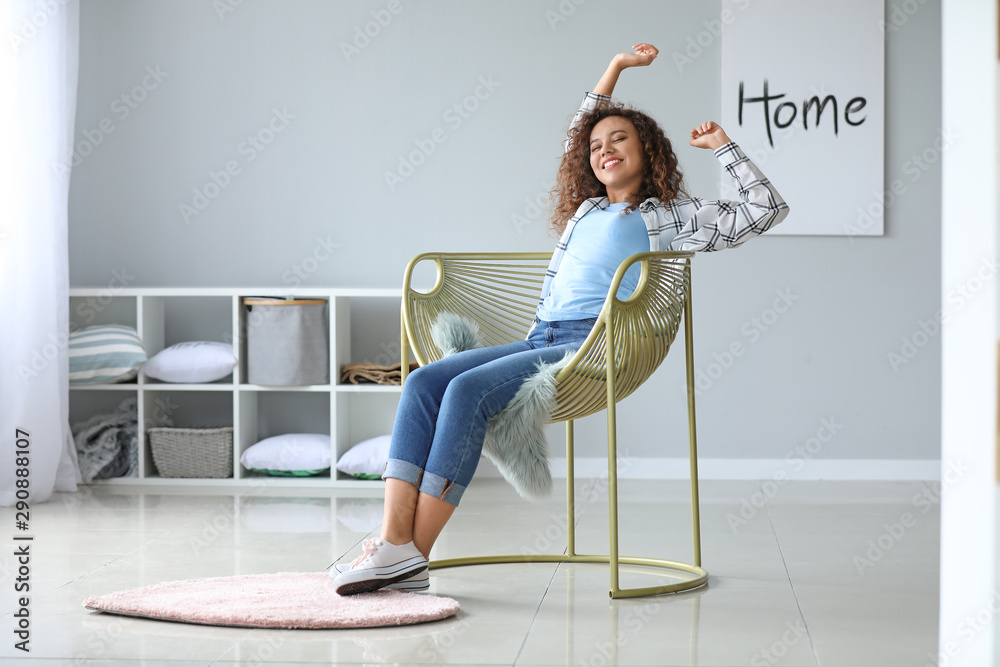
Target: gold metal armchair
<point x="499" y="291"/>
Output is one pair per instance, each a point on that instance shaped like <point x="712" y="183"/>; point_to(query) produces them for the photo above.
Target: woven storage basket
<point x="192" y="452"/>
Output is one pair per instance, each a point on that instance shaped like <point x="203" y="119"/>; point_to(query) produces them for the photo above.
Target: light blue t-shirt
<point x="601" y="240"/>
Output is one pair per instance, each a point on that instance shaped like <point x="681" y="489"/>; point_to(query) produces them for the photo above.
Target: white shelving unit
<point x="349" y="413"/>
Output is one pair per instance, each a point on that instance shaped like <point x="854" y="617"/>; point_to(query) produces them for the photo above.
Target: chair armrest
<point x="634" y="333"/>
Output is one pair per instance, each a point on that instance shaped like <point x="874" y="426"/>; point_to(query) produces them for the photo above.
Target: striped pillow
<point x="104" y="353"/>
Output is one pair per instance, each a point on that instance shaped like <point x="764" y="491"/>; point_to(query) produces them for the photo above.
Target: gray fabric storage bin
<point x="288" y="341"/>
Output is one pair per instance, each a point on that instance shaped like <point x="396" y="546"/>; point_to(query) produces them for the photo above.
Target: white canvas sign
<point x="803" y="95"/>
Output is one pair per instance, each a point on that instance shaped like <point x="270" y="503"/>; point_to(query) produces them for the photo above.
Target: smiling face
<point x="616" y="157"/>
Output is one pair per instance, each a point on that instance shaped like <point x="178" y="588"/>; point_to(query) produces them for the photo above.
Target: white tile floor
<point x="805" y="573"/>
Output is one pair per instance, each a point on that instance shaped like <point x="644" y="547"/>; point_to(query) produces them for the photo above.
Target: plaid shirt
<point x="693" y="223"/>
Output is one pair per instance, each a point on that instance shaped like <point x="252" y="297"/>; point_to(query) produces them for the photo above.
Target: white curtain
<point x="39" y="57"/>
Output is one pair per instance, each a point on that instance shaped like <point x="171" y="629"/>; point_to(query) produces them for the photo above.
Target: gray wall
<point x="322" y="177"/>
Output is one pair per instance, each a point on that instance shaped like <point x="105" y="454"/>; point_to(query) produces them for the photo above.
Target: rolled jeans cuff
<point x="426" y="482"/>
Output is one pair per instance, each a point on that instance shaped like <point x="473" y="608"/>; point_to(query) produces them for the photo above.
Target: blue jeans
<point x="441" y="422"/>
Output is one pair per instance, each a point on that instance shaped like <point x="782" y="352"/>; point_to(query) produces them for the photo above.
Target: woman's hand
<point x="644" y="55"/>
<point x="709" y="135"/>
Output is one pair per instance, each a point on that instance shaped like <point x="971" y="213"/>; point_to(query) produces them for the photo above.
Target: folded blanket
<point x="108" y="445"/>
<point x="365" y="373"/>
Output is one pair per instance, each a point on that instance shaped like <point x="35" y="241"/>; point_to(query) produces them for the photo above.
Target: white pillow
<point x="194" y="361"/>
<point x="291" y="453"/>
<point x="366" y="458"/>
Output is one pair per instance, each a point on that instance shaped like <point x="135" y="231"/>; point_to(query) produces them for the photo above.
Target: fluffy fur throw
<point x="515" y="437"/>
<point x="453" y="333"/>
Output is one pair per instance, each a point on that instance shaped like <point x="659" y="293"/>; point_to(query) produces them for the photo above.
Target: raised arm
<point x="714" y="224"/>
<point x="643" y="55"/>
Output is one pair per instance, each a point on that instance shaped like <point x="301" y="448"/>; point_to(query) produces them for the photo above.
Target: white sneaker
<point x="381" y="564"/>
<point x="421" y="581"/>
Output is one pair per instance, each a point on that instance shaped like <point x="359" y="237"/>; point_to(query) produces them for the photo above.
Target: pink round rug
<point x="304" y="600"/>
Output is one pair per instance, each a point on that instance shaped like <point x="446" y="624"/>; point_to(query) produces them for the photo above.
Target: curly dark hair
<point x="576" y="182"/>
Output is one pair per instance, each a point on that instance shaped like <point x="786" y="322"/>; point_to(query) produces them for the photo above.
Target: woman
<point x="618" y="193"/>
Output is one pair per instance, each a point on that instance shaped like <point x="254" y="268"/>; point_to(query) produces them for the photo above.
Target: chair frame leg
<point x="692" y="433"/>
<point x="570" y="492"/>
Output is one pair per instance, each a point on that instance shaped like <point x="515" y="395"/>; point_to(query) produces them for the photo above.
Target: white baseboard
<point x="795" y="469"/>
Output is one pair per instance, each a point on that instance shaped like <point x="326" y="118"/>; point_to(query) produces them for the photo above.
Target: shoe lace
<point x="370" y="546"/>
